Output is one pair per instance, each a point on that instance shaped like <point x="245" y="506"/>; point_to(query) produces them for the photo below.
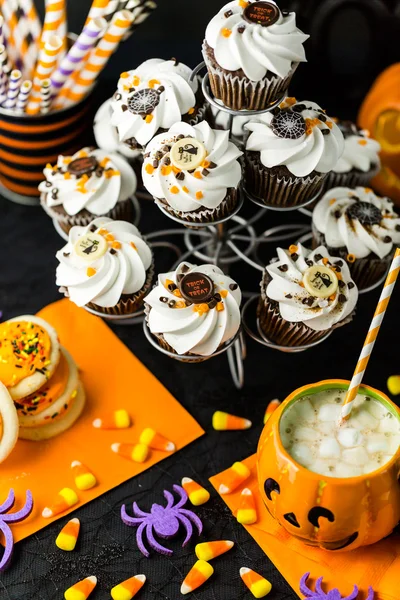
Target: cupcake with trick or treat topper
<point x="360" y="227"/>
<point x="194" y="310"/>
<point x="290" y="152"/>
<point x="86" y="185"/>
<point x="193" y="172"/>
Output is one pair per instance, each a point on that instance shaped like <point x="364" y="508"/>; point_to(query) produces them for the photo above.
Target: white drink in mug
<point x="310" y="433"/>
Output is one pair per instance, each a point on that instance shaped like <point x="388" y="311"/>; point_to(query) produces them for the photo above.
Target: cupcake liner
<point x="273" y="189"/>
<point x="240" y="93"/>
<point x="353" y="178"/>
<point x="206" y="215"/>
<point x="364" y="271"/>
<point x="122" y="211"/>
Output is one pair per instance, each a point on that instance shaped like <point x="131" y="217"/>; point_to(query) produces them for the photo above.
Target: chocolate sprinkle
<point x="387" y="239"/>
<point x="339" y="263"/>
<point x="294" y="256"/>
<point x="309" y="262"/>
<point x="228" y="14"/>
<point x="48" y="184"/>
<point x="341" y="283"/>
<point x="342" y="298"/>
<point x="217" y="297"/>
<point x="66" y="254"/>
<point x="318" y="256"/>
<point x="322" y="117"/>
<point x="337" y="214"/>
<point x="205" y="172"/>
<point x="233" y="286"/>
<point x="283" y="268"/>
<point x="325" y="131"/>
<point x="172" y="287"/>
<point x="180" y="175"/>
<point x="212" y="165"/>
<point x="350" y="285"/>
<point x="163" y="299"/>
<point x="212" y="303"/>
<point x="171" y="303"/>
<point x="92" y="228"/>
<point x="113" y="251"/>
<point x="241" y="29"/>
<point x="289" y="296"/>
<point x="117" y="96"/>
<point x="397" y="228"/>
<point x="124" y="107"/>
<point x="298" y="107"/>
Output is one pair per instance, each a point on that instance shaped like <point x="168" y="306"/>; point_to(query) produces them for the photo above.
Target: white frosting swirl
<point x="361" y="230"/>
<point x="360" y="152"/>
<point x="98" y="192"/>
<point x="311" y="151"/>
<point x="187" y="329"/>
<point x="121" y="270"/>
<point x="258" y="49"/>
<point x="106" y="135"/>
<point x="195" y="190"/>
<point x="285" y="289"/>
<point x="176" y="99"/>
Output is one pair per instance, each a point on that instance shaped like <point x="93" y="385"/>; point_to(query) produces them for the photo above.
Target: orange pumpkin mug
<point x="332" y="513"/>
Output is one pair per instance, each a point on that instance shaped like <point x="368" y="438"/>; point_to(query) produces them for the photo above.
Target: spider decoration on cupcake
<point x="334" y="594"/>
<point x="162" y="521"/>
<point x="6" y="518"/>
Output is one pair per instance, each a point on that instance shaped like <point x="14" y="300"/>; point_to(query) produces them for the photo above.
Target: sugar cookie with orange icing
<point x="29" y="354"/>
<point x="52" y="400"/>
<point x="8" y="423"/>
<point x="56" y="427"/>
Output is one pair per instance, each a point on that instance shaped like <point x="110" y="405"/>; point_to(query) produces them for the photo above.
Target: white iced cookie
<point x="8" y="423"/>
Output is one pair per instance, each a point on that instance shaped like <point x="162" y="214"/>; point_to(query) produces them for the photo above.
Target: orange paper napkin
<point x="377" y="565"/>
<point x="113" y="378"/>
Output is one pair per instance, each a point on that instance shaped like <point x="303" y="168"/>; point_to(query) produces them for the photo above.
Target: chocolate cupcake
<point x="360" y="160"/>
<point x="193" y="172"/>
<point x="152" y="97"/>
<point x="251" y="50"/>
<point x="194" y="310"/>
<point x="304" y="295"/>
<point x="106" y="266"/>
<point x="290" y="152"/>
<point x="361" y="228"/>
<point x="88" y="184"/>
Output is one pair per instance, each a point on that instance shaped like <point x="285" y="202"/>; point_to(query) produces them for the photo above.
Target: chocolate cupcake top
<point x="94" y="180"/>
<point x="195" y="308"/>
<point x="155" y="95"/>
<point x="103" y="261"/>
<point x="358" y="220"/>
<point x="360" y="151"/>
<point x="298" y="135"/>
<point x="311" y="287"/>
<point x="257" y="38"/>
<point x="191" y="167"/>
<point x="106" y="135"/>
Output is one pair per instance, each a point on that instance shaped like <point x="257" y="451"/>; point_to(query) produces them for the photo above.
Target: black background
<point x="107" y="548"/>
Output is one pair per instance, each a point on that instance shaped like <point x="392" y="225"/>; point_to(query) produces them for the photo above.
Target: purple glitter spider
<point x="12" y="518"/>
<point x="319" y="594"/>
<point x="164" y="520"/>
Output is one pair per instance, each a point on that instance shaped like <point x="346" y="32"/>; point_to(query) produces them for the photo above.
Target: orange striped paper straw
<point x="54" y="21"/>
<point x="371" y="336"/>
<point x="100" y="55"/>
<point x="46" y="64"/>
<point x="98" y="9"/>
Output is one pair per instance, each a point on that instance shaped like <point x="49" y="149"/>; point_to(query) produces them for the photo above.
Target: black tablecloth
<point x="107" y="548"/>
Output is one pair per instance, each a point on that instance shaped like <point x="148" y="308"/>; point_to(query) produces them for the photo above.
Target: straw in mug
<point x="371" y="336"/>
<point x="54" y="21"/>
<point x="32" y="28"/>
<point x="45" y="96"/>
<point x="3" y="75"/>
<point x="45" y="67"/>
<point x="14" y="84"/>
<point x="98" y="9"/>
<point x="23" y="96"/>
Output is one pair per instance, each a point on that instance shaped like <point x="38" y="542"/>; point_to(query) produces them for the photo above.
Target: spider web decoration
<point x="365" y="212"/>
<point x="288" y="124"/>
<point x="143" y="101"/>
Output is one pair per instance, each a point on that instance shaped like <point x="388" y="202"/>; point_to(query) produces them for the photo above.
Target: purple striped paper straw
<point x="73" y="60"/>
<point x="45" y="96"/>
<point x="14" y="83"/>
<point x="23" y="96"/>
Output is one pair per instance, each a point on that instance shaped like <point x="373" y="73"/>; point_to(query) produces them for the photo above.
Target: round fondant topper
<point x="188" y="154"/>
<point x="196" y="287"/>
<point x="143" y="101"/>
<point x="288" y="124"/>
<point x="90" y="246"/>
<point x="320" y="281"/>
<point x="83" y="166"/>
<point x="261" y="13"/>
<point x="365" y="212"/>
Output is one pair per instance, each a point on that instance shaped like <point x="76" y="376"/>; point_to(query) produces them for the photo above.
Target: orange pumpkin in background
<point x="380" y="114"/>
<point x="328" y="512"/>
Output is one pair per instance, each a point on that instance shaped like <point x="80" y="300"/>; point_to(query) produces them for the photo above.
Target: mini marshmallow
<point x="329" y="412"/>
<point x="306" y="433"/>
<point x="389" y="424"/>
<point x="305" y="411"/>
<point x="366" y="419"/>
<point x="329" y="448"/>
<point x="355" y="456"/>
<point x="377" y="442"/>
<point x="349" y="437"/>
<point x="303" y="454"/>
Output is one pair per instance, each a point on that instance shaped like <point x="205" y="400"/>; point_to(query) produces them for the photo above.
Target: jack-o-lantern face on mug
<point x="328" y="512"/>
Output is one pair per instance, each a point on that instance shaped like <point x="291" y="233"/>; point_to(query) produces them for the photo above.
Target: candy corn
<point x="270" y="409"/>
<point x="82" y="589"/>
<point x="198" y="574"/>
<point x="247" y="513"/>
<point x="223" y="421"/>
<point x="119" y="419"/>
<point x="156" y="441"/>
<point x="393" y="384"/>
<point x="68" y="536"/>
<point x="136" y="452"/>
<point x="231" y="478"/>
<point x="197" y="494"/>
<point x="257" y="585"/>
<point x="209" y="550"/>
<point x="128" y="588"/>
<point x="84" y="478"/>
<point x="64" y="500"/>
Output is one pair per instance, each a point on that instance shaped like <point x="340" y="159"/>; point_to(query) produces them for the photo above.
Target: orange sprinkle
<point x="325" y="261"/>
<point x="226" y="32"/>
<point x="199" y="195"/>
<point x="332" y="201"/>
<point x="174" y="190"/>
<point x="102" y="231"/>
<point x="332" y="297"/>
<point x="110" y="173"/>
<point x="293" y="248"/>
<point x="166" y="170"/>
<point x="132" y="245"/>
<point x="124" y="75"/>
<point x="104" y="161"/>
<point x="220" y="307"/>
<point x="110" y="237"/>
<point x="288" y="102"/>
<point x="135" y="80"/>
<point x="191" y="111"/>
<point x="67" y="175"/>
<point x="67" y="160"/>
<point x="116" y="245"/>
<point x="149" y="118"/>
<point x="48" y="166"/>
<point x="198" y="175"/>
<point x="350" y="258"/>
<point x="243" y="3"/>
<point x="82" y="154"/>
<point x="201" y="308"/>
<point x="149" y="169"/>
<point x="329" y="124"/>
<point x="153" y="82"/>
<point x="184" y="189"/>
<point x="205" y="164"/>
<point x="180" y="304"/>
<point x="367" y="190"/>
<point x="363" y="142"/>
<point x="168" y="282"/>
<point x="223" y="293"/>
<point x="90" y="271"/>
<point x="175" y="169"/>
<point x="177" y="293"/>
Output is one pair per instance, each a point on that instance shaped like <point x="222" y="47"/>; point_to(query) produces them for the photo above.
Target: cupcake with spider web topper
<point x="194" y="310"/>
<point x="88" y="184"/>
<point x="152" y="97"/>
<point x="360" y="227"/>
<point x="106" y="266"/>
<point x="193" y="172"/>
<point x="290" y="152"/>
<point x="304" y="295"/>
